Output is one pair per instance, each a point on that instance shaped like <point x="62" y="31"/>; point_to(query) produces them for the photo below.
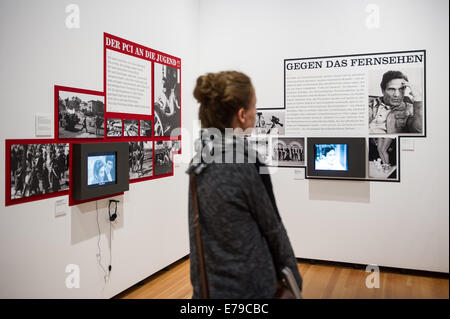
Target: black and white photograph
<point x="140" y="159"/>
<point x="38" y="169"/>
<point x="396" y="104"/>
<point x="114" y="127"/>
<point x="167" y="100"/>
<point x="383" y="158"/>
<point x="130" y="128"/>
<point x="80" y="115"/>
<point x="270" y="122"/>
<point x="260" y="144"/>
<point x="288" y="151"/>
<point x="145" y="128"/>
<point x="163" y="157"/>
<point x="101" y="169"/>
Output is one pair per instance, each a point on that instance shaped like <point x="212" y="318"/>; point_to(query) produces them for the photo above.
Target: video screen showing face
<point x="101" y="169"/>
<point x="331" y="157"/>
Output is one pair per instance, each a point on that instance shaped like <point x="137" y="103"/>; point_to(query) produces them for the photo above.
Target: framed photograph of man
<point x="113" y="127"/>
<point x="130" y="128"/>
<point x="79" y="113"/>
<point x="167" y="108"/>
<point x="36" y="169"/>
<point x="288" y="151"/>
<point x="396" y="101"/>
<point x="145" y="128"/>
<point x="383" y="158"/>
<point x="140" y="159"/>
<point x="163" y="157"/>
<point x="270" y="121"/>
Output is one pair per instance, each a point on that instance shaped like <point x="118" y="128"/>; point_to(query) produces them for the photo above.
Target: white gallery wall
<point x="37" y="52"/>
<point x="403" y="224"/>
<point x="390" y="224"/>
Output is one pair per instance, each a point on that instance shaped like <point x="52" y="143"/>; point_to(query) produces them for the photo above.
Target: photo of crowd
<point x="167" y="100"/>
<point x="37" y="169"/>
<point x="130" y="128"/>
<point x="163" y="157"/>
<point x="146" y="128"/>
<point x="80" y="115"/>
<point x="140" y="159"/>
<point x="114" y="127"/>
<point x="288" y="151"/>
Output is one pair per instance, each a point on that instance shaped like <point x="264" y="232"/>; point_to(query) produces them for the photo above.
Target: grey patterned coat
<point x="244" y="241"/>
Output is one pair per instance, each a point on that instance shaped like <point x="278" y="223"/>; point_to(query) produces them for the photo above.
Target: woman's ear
<point x="241" y="115"/>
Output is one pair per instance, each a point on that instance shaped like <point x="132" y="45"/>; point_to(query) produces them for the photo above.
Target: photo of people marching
<point x="38" y="169"/>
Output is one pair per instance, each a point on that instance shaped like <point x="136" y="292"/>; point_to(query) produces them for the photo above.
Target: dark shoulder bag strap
<point x="201" y="258"/>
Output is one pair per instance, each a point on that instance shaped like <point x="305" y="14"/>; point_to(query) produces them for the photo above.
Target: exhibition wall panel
<point x="42" y="48"/>
<point x="401" y="224"/>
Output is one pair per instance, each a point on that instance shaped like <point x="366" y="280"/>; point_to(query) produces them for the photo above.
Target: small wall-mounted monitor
<point x="336" y="157"/>
<point x="331" y="157"/>
<point x="99" y="169"/>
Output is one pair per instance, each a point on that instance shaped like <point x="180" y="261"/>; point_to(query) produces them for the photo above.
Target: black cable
<point x="110" y="247"/>
<point x="99" y="255"/>
<point x="111" y="219"/>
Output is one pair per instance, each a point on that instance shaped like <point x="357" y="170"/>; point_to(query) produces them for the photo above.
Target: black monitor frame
<point x="80" y="189"/>
<point x="356" y="151"/>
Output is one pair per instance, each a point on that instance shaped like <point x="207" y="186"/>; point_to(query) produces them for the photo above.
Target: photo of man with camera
<point x="270" y="122"/>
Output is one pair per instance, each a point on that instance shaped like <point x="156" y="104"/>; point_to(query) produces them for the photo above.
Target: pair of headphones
<point x="114" y="215"/>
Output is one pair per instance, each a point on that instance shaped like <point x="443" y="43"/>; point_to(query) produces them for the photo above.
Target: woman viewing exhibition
<point x="241" y="236"/>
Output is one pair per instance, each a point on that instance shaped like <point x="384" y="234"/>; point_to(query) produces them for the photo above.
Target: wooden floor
<point x="320" y="281"/>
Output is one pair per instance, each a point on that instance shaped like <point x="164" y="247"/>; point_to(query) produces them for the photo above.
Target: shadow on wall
<point x="342" y="191"/>
<point x="84" y="219"/>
